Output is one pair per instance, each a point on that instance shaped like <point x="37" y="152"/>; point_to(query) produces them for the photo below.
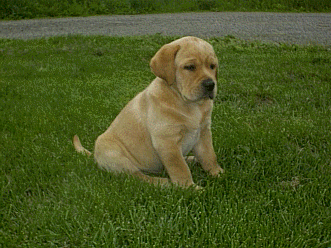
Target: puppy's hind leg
<point x="158" y="181"/>
<point x="115" y="161"/>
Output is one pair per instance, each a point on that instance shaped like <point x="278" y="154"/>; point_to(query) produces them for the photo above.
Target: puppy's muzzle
<point x="208" y="86"/>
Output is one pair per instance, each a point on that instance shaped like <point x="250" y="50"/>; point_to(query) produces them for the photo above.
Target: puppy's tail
<point x="79" y="148"/>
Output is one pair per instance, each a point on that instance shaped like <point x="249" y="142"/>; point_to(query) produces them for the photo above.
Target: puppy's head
<point x="191" y="64"/>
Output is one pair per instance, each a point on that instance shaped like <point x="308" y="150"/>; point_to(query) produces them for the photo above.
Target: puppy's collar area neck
<point x="177" y="91"/>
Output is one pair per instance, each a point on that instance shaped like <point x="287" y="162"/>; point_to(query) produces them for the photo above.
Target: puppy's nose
<point x="208" y="85"/>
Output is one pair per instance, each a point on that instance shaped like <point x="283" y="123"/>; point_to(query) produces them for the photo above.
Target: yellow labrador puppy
<point x="167" y="120"/>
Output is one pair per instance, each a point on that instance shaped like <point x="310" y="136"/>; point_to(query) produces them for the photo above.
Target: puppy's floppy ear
<point x="163" y="63"/>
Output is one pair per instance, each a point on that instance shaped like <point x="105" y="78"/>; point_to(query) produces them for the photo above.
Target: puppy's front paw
<point x="197" y="187"/>
<point x="217" y="172"/>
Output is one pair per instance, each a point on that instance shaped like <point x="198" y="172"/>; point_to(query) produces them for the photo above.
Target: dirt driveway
<point x="299" y="28"/>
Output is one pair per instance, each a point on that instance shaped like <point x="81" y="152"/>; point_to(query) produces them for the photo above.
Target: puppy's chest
<point x="189" y="140"/>
<point x="193" y="130"/>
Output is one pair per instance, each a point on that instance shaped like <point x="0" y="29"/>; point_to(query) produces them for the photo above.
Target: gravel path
<point x="298" y="28"/>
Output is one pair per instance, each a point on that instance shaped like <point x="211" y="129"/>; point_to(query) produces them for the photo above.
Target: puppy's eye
<point x="190" y="67"/>
<point x="212" y="66"/>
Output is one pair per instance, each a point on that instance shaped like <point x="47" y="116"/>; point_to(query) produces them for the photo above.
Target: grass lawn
<point x="271" y="129"/>
<point x="27" y="9"/>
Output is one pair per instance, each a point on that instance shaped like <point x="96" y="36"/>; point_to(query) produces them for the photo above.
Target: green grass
<point x="271" y="129"/>
<point x="25" y="9"/>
